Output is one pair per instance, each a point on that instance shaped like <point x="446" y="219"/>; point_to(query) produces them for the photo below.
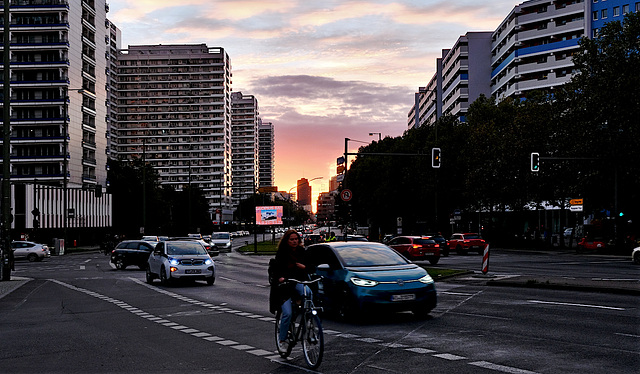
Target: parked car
<point x="195" y="236"/>
<point x="361" y="276"/>
<point x="180" y="259"/>
<point x="29" y="250"/>
<point x="416" y="248"/>
<point x="132" y="252"/>
<point x="467" y="242"/>
<point x="151" y="238"/>
<point x="635" y="255"/>
<point x="444" y="244"/>
<point x="222" y="241"/>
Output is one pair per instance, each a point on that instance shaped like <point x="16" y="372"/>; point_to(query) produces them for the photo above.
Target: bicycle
<point x="305" y="327"/>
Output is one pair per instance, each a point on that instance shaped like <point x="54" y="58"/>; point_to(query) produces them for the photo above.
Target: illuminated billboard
<point x="269" y="215"/>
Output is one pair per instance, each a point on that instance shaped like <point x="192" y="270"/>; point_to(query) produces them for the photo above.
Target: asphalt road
<point x="77" y="314"/>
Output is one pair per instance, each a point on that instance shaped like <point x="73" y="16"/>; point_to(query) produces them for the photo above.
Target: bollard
<point x="485" y="260"/>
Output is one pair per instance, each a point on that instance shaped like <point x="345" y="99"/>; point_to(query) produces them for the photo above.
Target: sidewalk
<point x="6" y="287"/>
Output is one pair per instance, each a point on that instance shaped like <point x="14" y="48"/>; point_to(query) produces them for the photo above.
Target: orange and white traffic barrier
<point x="485" y="260"/>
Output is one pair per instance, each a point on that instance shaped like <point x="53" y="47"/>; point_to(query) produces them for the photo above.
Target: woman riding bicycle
<point x="290" y="263"/>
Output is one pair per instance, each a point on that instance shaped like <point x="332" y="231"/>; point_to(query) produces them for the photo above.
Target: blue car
<point x="361" y="276"/>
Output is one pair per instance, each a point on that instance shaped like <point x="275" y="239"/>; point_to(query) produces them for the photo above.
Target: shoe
<point x="282" y="346"/>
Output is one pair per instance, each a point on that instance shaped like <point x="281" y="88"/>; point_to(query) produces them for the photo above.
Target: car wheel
<point x="211" y="281"/>
<point x="434" y="260"/>
<point x="32" y="257"/>
<point x="120" y="264"/>
<point x="346" y="309"/>
<point x="149" y="275"/>
<point x="163" y="277"/>
<point x="636" y="258"/>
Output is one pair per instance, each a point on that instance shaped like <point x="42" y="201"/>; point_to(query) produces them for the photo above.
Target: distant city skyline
<point x="320" y="71"/>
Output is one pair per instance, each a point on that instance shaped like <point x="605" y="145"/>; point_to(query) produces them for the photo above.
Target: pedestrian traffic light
<point x="435" y="158"/>
<point x="535" y="161"/>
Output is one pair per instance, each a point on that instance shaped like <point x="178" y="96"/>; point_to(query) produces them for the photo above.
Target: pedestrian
<point x="290" y="263"/>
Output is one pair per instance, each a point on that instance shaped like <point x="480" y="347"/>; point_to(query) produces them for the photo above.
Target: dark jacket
<point x="284" y="266"/>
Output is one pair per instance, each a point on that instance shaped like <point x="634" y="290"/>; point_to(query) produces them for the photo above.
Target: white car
<point x="30" y="250"/>
<point x="635" y="255"/>
<point x="222" y="241"/>
<point x="180" y="259"/>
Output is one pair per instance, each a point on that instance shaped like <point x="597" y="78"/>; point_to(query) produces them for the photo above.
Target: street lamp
<point x="374" y="133"/>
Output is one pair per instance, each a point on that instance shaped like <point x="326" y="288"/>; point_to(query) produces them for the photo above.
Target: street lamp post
<point x="374" y="133"/>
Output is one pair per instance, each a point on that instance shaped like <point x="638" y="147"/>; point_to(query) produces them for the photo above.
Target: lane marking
<point x="574" y="304"/>
<point x="502" y="368"/>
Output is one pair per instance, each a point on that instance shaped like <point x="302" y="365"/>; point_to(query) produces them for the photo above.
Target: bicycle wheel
<point x="313" y="341"/>
<point x="290" y="341"/>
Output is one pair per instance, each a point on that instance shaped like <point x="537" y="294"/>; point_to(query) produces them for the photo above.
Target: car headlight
<point x="426" y="279"/>
<point x="363" y="282"/>
<point x="173" y="261"/>
<point x="208" y="261"/>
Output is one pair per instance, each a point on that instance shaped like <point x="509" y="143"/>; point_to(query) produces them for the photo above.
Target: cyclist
<point x="290" y="263"/>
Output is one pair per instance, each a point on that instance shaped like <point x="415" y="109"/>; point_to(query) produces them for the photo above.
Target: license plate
<point x="192" y="271"/>
<point x="403" y="297"/>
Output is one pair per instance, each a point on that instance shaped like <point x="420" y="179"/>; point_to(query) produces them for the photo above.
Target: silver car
<point x="222" y="241"/>
<point x="30" y="250"/>
<point x="180" y="259"/>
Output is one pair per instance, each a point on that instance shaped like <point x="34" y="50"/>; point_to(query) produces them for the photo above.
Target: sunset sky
<point x="322" y="71"/>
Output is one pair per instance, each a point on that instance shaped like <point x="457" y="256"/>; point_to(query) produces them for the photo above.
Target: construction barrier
<point x="485" y="260"/>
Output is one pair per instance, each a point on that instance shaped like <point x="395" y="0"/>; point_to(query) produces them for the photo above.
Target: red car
<point x="416" y="248"/>
<point x="591" y="244"/>
<point x="467" y="242"/>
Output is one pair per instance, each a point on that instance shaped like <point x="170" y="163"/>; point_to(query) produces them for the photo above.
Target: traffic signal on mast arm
<point x="435" y="158"/>
<point x="535" y="161"/>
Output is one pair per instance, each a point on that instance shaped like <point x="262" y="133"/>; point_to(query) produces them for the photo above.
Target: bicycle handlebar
<point x="302" y="282"/>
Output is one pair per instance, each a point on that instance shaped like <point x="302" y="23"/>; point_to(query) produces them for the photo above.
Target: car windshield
<point x="361" y="254"/>
<point x="220" y="236"/>
<point x="472" y="236"/>
<point x="185" y="248"/>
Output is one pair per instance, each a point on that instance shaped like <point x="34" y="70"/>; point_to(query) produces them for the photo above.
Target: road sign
<point x="340" y="160"/>
<point x="576" y="208"/>
<point x="575" y="201"/>
<point x="346" y="195"/>
<point x="340" y="169"/>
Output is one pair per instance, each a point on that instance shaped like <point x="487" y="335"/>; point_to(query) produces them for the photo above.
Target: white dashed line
<point x="501" y="368"/>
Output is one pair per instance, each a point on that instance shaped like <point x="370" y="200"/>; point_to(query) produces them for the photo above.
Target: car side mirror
<point x="323" y="267"/>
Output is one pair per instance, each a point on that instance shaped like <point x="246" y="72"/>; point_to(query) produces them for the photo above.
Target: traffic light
<point x="435" y="158"/>
<point x="535" y="161"/>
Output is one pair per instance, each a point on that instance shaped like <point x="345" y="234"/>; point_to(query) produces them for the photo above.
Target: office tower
<point x="304" y="192"/>
<point x="174" y="111"/>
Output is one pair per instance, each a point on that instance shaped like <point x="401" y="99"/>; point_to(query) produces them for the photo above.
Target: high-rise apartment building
<point x="244" y="145"/>
<point x="174" y="110"/>
<point x="59" y="56"/>
<point x="326" y="206"/>
<point x="266" y="154"/>
<point x="531" y="49"/>
<point x="462" y="75"/>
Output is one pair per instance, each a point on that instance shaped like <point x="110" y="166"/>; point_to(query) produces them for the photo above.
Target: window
<point x="595" y="16"/>
<point x="603" y="13"/>
<point x="616" y="11"/>
<point x="625" y="9"/>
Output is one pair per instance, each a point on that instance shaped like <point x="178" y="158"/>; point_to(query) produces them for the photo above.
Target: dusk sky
<point x="322" y="71"/>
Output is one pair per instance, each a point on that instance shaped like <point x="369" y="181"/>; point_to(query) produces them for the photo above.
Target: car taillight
<point x="416" y="246"/>
<point x="436" y="245"/>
